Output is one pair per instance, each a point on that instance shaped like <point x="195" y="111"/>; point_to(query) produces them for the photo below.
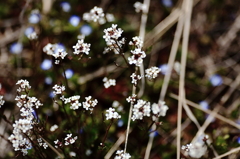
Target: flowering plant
<point x="87" y="85"/>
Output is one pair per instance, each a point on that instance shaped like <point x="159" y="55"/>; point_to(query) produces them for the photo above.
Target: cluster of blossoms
<point x="152" y="72"/>
<point x="109" y="82"/>
<point x="140" y="7"/>
<point x="81" y="48"/>
<point x="141" y="109"/>
<point x="53" y="50"/>
<point x="58" y="89"/>
<point x="32" y="36"/>
<point x="90" y="103"/>
<point x="159" y="109"/>
<point x="112" y="38"/>
<point x="53" y="128"/>
<point x="121" y="155"/>
<point x="198" y="148"/>
<point x="25" y="124"/>
<point x="135" y="78"/>
<point x="112" y="114"/>
<point x="69" y="139"/>
<point x="137" y="57"/>
<point x="131" y="99"/>
<point x="41" y="143"/>
<point x="137" y="53"/>
<point x="74" y="101"/>
<point x="96" y="15"/>
<point x="1" y="101"/>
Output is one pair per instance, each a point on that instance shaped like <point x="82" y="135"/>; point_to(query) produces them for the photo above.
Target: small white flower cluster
<point x="57" y="89"/>
<point x="109" y="82"/>
<point x="117" y="106"/>
<point x="135" y="78"/>
<point x="53" y="128"/>
<point x="111" y="37"/>
<point x="32" y="36"/>
<point x="198" y="148"/>
<point x="121" y="155"/>
<point x="141" y="109"/>
<point x="81" y="47"/>
<point x="112" y="114"/>
<point x="23" y="85"/>
<point x="74" y="101"/>
<point x="136" y="42"/>
<point x="25" y="124"/>
<point x="140" y="7"/>
<point x="41" y="143"/>
<point x="57" y="143"/>
<point x="1" y="101"/>
<point x="131" y="99"/>
<point x="51" y="49"/>
<point x="137" y="57"/>
<point x="159" y="109"/>
<point x="96" y="15"/>
<point x="69" y="139"/>
<point x="90" y="103"/>
<point x="152" y="72"/>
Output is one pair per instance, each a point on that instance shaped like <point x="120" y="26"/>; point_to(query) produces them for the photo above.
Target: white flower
<point x="69" y="139"/>
<point x="1" y="101"/>
<point x="131" y="99"/>
<point x="152" y="72"/>
<point x="135" y="78"/>
<point x="137" y="57"/>
<point x="141" y="109"/>
<point x="49" y="48"/>
<point x="73" y="101"/>
<point x="72" y="154"/>
<point x="109" y="82"/>
<point x="58" y="89"/>
<point x="32" y="36"/>
<point x="136" y="42"/>
<point x="159" y="109"/>
<point x="110" y="17"/>
<point x="90" y="103"/>
<point x="81" y="47"/>
<point x="95" y="14"/>
<point x="198" y="148"/>
<point x="112" y="114"/>
<point x="23" y="85"/>
<point x="112" y="36"/>
<point x="140" y="7"/>
<point x="121" y="155"/>
<point x="53" y="128"/>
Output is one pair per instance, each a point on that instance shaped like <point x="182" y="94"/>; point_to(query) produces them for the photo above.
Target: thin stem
<point x="129" y="116"/>
<point x="187" y="4"/>
<point x="65" y="77"/>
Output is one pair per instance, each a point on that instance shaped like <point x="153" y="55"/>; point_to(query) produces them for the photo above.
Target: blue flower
<point x="204" y="105"/>
<point x="65" y="6"/>
<point x="46" y="64"/>
<point x="34" y="17"/>
<point x="86" y="30"/>
<point x="216" y="80"/>
<point x="69" y="73"/>
<point x="74" y="20"/>
<point x="164" y="68"/>
<point x="120" y="123"/>
<point x="167" y="3"/>
<point x="29" y="31"/>
<point x="48" y="80"/>
<point x="238" y="140"/>
<point x="16" y="48"/>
